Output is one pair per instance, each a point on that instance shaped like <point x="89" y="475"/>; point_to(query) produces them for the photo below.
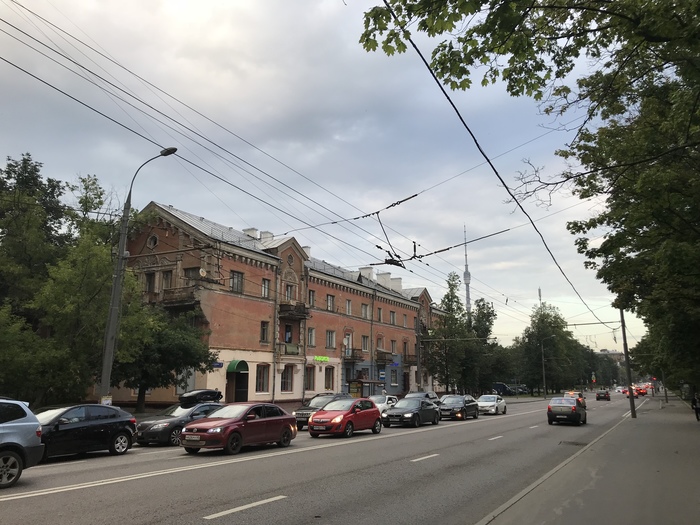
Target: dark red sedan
<point x="345" y="416"/>
<point x="239" y="424"/>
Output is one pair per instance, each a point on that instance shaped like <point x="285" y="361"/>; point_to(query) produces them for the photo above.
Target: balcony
<point x="384" y="357"/>
<point x="293" y="310"/>
<point x="354" y="355"/>
<point x="290" y="349"/>
<point x="410" y="359"/>
<point x="180" y="296"/>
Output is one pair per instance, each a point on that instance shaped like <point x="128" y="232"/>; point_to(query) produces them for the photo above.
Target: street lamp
<point x="112" y="328"/>
<point x="544" y="381"/>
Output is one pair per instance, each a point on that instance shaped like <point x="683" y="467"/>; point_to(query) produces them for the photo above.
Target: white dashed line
<point x="243" y="507"/>
<point x="425" y="457"/>
<point x="494" y="438"/>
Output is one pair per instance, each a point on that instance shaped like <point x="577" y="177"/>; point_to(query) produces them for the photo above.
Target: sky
<point x="284" y="123"/>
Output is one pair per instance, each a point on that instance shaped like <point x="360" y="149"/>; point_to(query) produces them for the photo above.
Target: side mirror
<point x="250" y="417"/>
<point x="62" y="421"/>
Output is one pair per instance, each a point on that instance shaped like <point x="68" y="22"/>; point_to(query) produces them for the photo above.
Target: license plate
<point x="318" y="428"/>
<point x="562" y="417"/>
<point x="191" y="438"/>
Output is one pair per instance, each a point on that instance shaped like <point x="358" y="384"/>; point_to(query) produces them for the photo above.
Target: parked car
<point x="316" y="403"/>
<point x="577" y="394"/>
<point x="429" y="395"/>
<point x="240" y="424"/>
<point x="413" y="411"/>
<point x="602" y="394"/>
<point x="20" y="441"/>
<point x="384" y="402"/>
<point x="566" y="409"/>
<point x="345" y="416"/>
<point x="492" y="404"/>
<point x="166" y="426"/>
<point x="194" y="397"/>
<point x="459" y="407"/>
<point x="85" y="428"/>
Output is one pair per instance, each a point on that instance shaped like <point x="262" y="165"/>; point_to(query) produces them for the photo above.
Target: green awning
<point x="237" y="366"/>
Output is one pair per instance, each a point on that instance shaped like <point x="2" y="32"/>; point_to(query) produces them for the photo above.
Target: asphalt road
<point x="455" y="472"/>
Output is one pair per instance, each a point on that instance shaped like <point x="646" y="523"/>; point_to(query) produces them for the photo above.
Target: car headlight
<point x="294" y="413"/>
<point x="337" y="419"/>
<point x="216" y="430"/>
<point x="158" y="426"/>
<point x="408" y="415"/>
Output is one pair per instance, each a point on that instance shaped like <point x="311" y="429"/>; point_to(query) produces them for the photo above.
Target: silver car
<point x="492" y="404"/>
<point x="384" y="402"/>
<point x="20" y="441"/>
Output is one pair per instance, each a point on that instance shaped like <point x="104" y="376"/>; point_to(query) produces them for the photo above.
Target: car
<point x="194" y="397"/>
<point x="384" y="401"/>
<point x="492" y="404"/>
<point x="236" y="425"/>
<point x="345" y="416"/>
<point x="635" y="393"/>
<point x="620" y="389"/>
<point x="429" y="395"/>
<point x="316" y="403"/>
<point x="20" y="441"/>
<point x="412" y="411"/>
<point x="84" y="428"/>
<point x="577" y="394"/>
<point x="166" y="426"/>
<point x="566" y="409"/>
<point x="459" y="407"/>
<point x="602" y="394"/>
<point x="642" y="391"/>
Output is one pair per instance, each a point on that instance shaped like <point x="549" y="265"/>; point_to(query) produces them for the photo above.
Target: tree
<point x="174" y="348"/>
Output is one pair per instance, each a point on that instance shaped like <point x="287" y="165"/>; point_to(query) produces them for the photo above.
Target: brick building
<point x="285" y="325"/>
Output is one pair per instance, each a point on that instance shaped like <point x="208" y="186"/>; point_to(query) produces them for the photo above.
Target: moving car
<point x="459" y="407"/>
<point x="384" y="401"/>
<point x="85" y="428"/>
<point x="635" y="393"/>
<point x="577" y="394"/>
<point x="240" y="424"/>
<point x="20" y="441"/>
<point x="166" y="426"/>
<point x="413" y="411"/>
<point x="602" y="394"/>
<point x="492" y="404"/>
<point x="345" y="416"/>
<point x="316" y="403"/>
<point x="429" y="395"/>
<point x="566" y="409"/>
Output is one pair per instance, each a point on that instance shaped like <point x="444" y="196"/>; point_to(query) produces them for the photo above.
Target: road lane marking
<point x="494" y="438"/>
<point x="424" y="457"/>
<point x="243" y="507"/>
<point x="534" y="426"/>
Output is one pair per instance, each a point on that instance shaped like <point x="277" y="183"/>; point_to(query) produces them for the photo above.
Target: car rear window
<point x="11" y="412"/>
<point x="562" y="401"/>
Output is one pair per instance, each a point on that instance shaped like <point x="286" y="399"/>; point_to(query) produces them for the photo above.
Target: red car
<point x="344" y="416"/>
<point x="238" y="424"/>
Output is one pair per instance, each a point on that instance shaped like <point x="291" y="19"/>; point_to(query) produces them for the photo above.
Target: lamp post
<point x="544" y="381"/>
<point x="112" y="328"/>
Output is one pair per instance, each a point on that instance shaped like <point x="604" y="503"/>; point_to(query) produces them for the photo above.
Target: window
<point x="394" y="377"/>
<point x="265" y="288"/>
<point x="288" y="333"/>
<point x="348" y="307"/>
<point x="405" y="321"/>
<point x="310" y="378"/>
<point x="11" y="412"/>
<point x="192" y="273"/>
<point x="380" y="343"/>
<point x="273" y="411"/>
<point x="152" y="241"/>
<point x="330" y="374"/>
<point x="365" y="343"/>
<point x="365" y="311"/>
<point x="150" y="282"/>
<point x="262" y="378"/>
<point x="405" y="348"/>
<point x="289" y="294"/>
<point x="235" y="282"/>
<point x="393" y="346"/>
<point x="330" y="303"/>
<point x="392" y="317"/>
<point x="330" y="339"/>
<point x="287" y="378"/>
<point x="311" y="339"/>
<point x="265" y="331"/>
<point x="379" y="315"/>
<point x="312" y="297"/>
<point x="102" y="412"/>
<point x="167" y="279"/>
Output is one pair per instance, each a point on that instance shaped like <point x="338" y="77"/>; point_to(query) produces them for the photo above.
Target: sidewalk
<point x="642" y="471"/>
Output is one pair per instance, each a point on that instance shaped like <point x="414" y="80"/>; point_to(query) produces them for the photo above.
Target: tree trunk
<point x="141" y="400"/>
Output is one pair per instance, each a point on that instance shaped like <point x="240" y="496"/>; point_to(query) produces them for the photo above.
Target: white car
<point x="384" y="402"/>
<point x="492" y="404"/>
<point x="619" y="389"/>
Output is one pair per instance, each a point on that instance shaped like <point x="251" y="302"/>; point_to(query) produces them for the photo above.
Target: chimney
<point x="384" y="278"/>
<point x="367" y="272"/>
<point x="266" y="236"/>
<point x="251" y="232"/>
<point x="307" y="249"/>
<point x="396" y="284"/>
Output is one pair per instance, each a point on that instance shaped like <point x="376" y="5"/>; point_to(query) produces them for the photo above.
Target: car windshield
<point x="230" y="411"/>
<point x="340" y="404"/>
<point x="379" y="400"/>
<point x="318" y="402"/>
<point x="453" y="400"/>
<point x="46" y="416"/>
<point x="487" y="399"/>
<point x="175" y="411"/>
<point x="407" y="403"/>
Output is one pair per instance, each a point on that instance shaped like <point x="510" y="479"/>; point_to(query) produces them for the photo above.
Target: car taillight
<point x="549" y="408"/>
<point x="133" y="420"/>
<point x="38" y="431"/>
<point x="573" y="409"/>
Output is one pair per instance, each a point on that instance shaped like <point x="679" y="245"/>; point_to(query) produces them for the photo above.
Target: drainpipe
<point x="372" y="352"/>
<point x="275" y="339"/>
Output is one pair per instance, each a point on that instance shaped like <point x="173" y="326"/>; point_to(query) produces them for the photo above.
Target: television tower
<point x="467" y="275"/>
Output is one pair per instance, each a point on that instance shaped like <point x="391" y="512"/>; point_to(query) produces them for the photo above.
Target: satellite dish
<point x="202" y="272"/>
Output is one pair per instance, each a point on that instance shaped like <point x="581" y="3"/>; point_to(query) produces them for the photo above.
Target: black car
<point x="459" y="407"/>
<point x="166" y="426"/>
<point x="602" y="394"/>
<point x="85" y="428"/>
<point x="413" y="411"/>
<point x="316" y="403"/>
<point x="194" y="397"/>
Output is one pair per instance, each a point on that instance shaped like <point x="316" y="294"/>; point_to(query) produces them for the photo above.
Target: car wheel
<point x="504" y="410"/>
<point x="387" y="424"/>
<point x="285" y="439"/>
<point x="300" y="426"/>
<point x="10" y="468"/>
<point x="174" y="437"/>
<point x="476" y="414"/>
<point x="191" y="450"/>
<point x="585" y="419"/>
<point x="313" y="434"/>
<point x="416" y="421"/>
<point x="550" y="421"/>
<point x="120" y="444"/>
<point x="233" y="443"/>
<point x="349" y="429"/>
<point x="436" y="419"/>
<point x="377" y="428"/>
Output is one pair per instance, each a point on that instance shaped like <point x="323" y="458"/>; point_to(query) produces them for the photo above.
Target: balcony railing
<point x="384" y="356"/>
<point x="410" y="359"/>
<point x="184" y="295"/>
<point x="354" y="355"/>
<point x="291" y="310"/>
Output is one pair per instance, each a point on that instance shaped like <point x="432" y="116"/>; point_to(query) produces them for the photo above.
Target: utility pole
<point x="630" y="391"/>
